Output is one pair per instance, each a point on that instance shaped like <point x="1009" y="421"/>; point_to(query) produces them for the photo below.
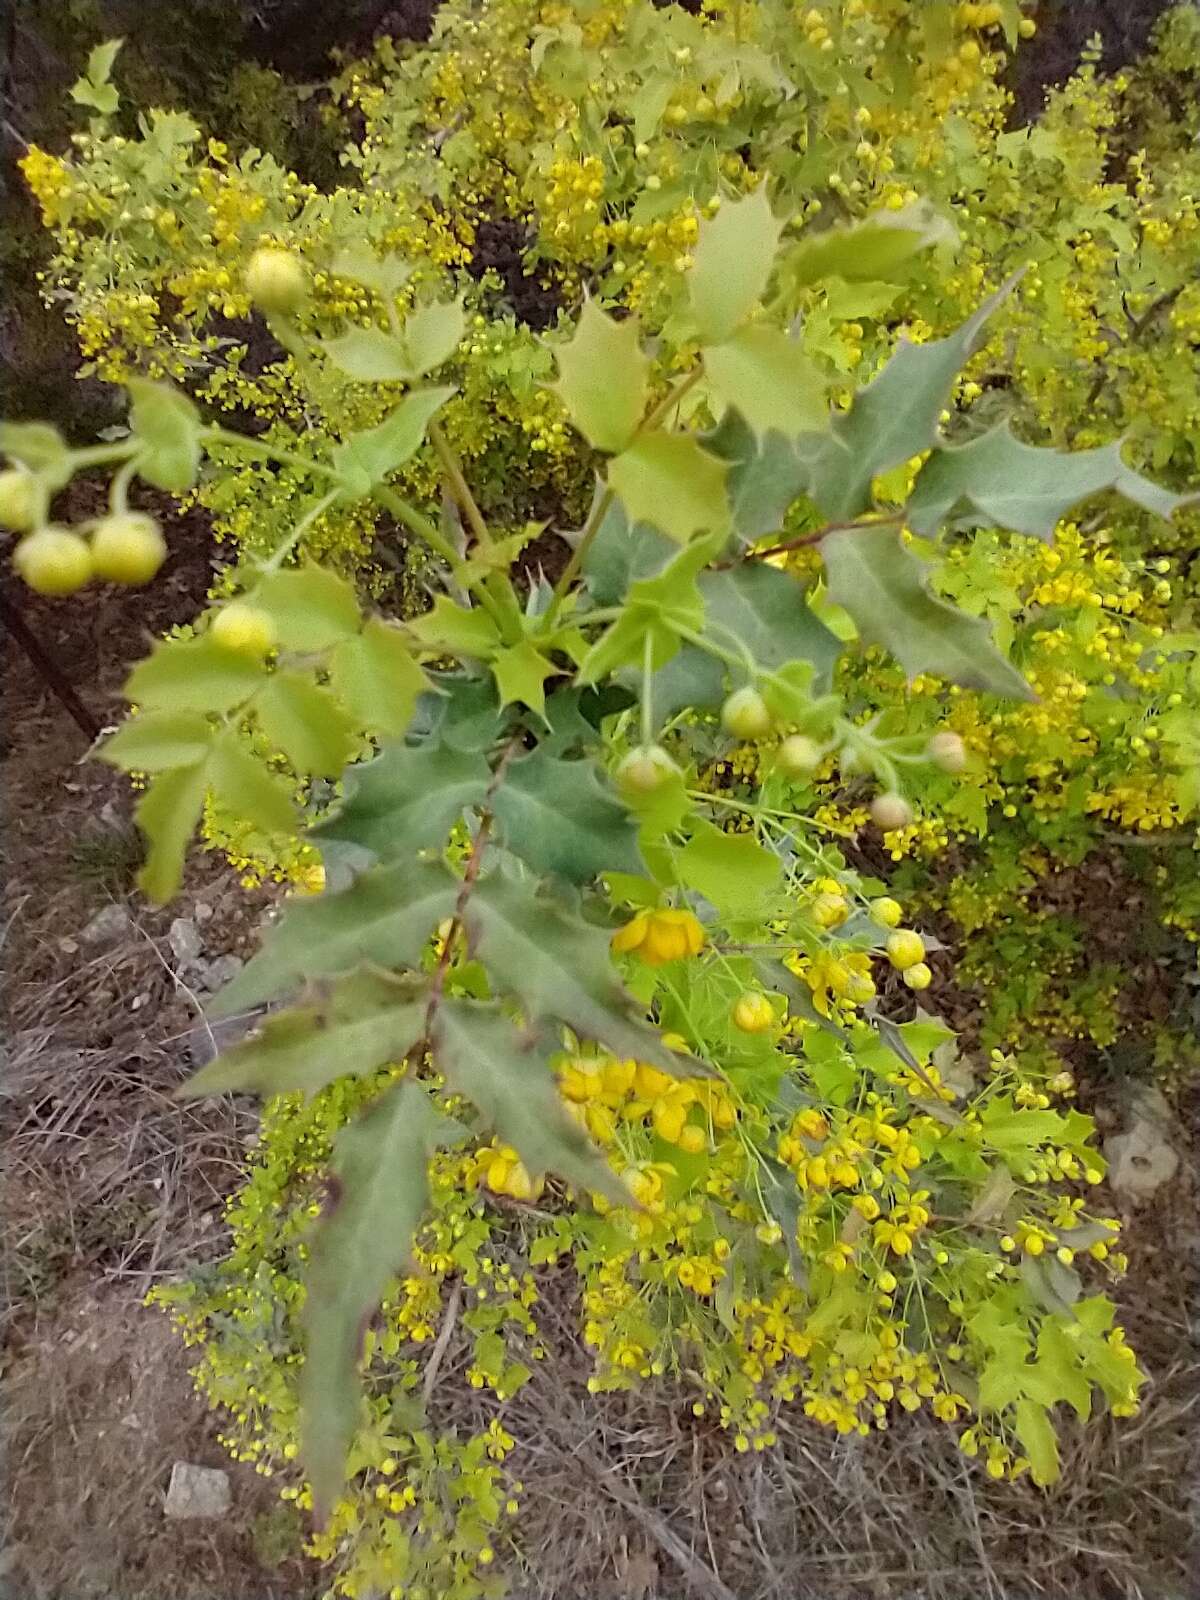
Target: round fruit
<point x="753" y="1012"/>
<point x="918" y="976"/>
<point x="799" y="755"/>
<point x="905" y="948"/>
<point x="18" y="500"/>
<point x="889" y="811"/>
<point x="275" y="281"/>
<point x="745" y="715"/>
<point x="243" y="628"/>
<point x="645" y="769"/>
<point x="886" y="912"/>
<point x="53" y="561"/>
<point x="128" y="548"/>
<point x="948" y="751"/>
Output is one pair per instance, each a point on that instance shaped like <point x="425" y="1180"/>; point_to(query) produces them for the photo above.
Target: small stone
<point x="197" y="1491"/>
<point x="1142" y="1159"/>
<point x="111" y="922"/>
<point x="68" y="947"/>
<point x="184" y="941"/>
<point x="220" y="971"/>
<point x="202" y="911"/>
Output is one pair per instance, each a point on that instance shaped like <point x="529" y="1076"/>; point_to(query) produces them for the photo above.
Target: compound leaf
<point x="603" y="378"/>
<point x="731" y="870"/>
<point x="768" y="611"/>
<point x="377" y="679"/>
<point x="366" y="458"/>
<point x="167" y="426"/>
<point x="521" y="671"/>
<point x="732" y="264"/>
<point x="368" y="355"/>
<point x="159" y="740"/>
<point x="671" y="482"/>
<point x="768" y="379"/>
<point x="871" y="249"/>
<point x="306" y="723"/>
<point x="247" y="788"/>
<point x="406" y="799"/>
<point x="432" y="333"/>
<point x="560" y="819"/>
<point x="311" y="607"/>
<point x="167" y="814"/>
<point x="1036" y="1433"/>
<point x="193" y="675"/>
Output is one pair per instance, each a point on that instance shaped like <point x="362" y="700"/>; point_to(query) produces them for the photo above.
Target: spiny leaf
<point x="456" y="630"/>
<point x="386" y="916"/>
<point x="895" y="417"/>
<point x="768" y="611"/>
<point x="366" y="1020"/>
<point x="766" y="376"/>
<point x="1025" y="489"/>
<point x="377" y="679"/>
<point x="510" y="1079"/>
<point x="765" y="475"/>
<point x="306" y="723"/>
<point x="406" y="799"/>
<point x="603" y="378"/>
<point x="671" y="482"/>
<point x="193" y="675"/>
<point x="884" y="587"/>
<point x="311" y="607"/>
<point x="521" y="671"/>
<point x="870" y="249"/>
<point x="247" y="788"/>
<point x="159" y="740"/>
<point x="381" y="1186"/>
<point x="658" y="607"/>
<point x="167" y="814"/>
<point x="558" y="817"/>
<point x="167" y="425"/>
<point x="732" y="264"/>
<point x="621" y="552"/>
<point x="557" y="965"/>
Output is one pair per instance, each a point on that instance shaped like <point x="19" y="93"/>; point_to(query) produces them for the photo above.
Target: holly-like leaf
<point x="365" y="1021"/>
<point x="656" y="607"/>
<point x="768" y="379"/>
<point x="510" y="1079"/>
<point x="306" y="723"/>
<point x="167" y="426"/>
<point x="159" y="740"/>
<point x="193" y="675"/>
<point x="768" y="611"/>
<point x="432" y="334"/>
<point x="621" y="552"/>
<point x="603" y="378"/>
<point x="377" y="679"/>
<point x="884" y="587"/>
<point x="561" y="820"/>
<point x="557" y="965"/>
<point x="385" y="917"/>
<point x="870" y="249"/>
<point x="456" y="630"/>
<point x="895" y="417"/>
<point x="1028" y="490"/>
<point x="167" y="814"/>
<point x="406" y="799"/>
<point x="732" y="264"/>
<point x="673" y="483"/>
<point x="765" y="475"/>
<point x="521" y="671"/>
<point x="311" y="607"/>
<point x="244" y="785"/>
<point x="380" y="1188"/>
<point x="733" y="872"/>
<point x="368" y="355"/>
<point x="366" y="458"/>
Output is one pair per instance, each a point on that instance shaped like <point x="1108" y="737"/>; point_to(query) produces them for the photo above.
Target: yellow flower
<point x="657" y="937"/>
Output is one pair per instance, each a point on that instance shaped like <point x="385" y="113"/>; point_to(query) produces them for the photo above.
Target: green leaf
<point x="39" y="447"/>
<point x="1028" y="490"/>
<point x="732" y="265"/>
<point x="671" y="482"/>
<point x="368" y="355"/>
<point x="193" y="675"/>
<point x="432" y="333"/>
<point x="244" y="785"/>
<point x="167" y="426"/>
<point x="377" y="679"/>
<point x="366" y="458"/>
<point x="1038" y="1441"/>
<point x="159" y="740"/>
<point x="385" y="917"/>
<point x="557" y="965"/>
<point x="765" y="475"/>
<point x="311" y="607"/>
<point x="768" y="379"/>
<point x="870" y="249"/>
<point x="521" y="671"/>
<point x="658" y="607"/>
<point x="603" y="378"/>
<point x="306" y="723"/>
<point x="561" y="820"/>
<point x="622" y="552"/>
<point x="768" y="611"/>
<point x="895" y="417"/>
<point x="733" y="872"/>
<point x="1058" y="1374"/>
<point x="365" y="1021"/>
<point x="167" y="814"/>
<point x="884" y="587"/>
<point x="456" y="630"/>
<point x="510" y="1079"/>
<point x="406" y="799"/>
<point x="94" y="89"/>
<point x="385" y="274"/>
<point x="380" y="1189"/>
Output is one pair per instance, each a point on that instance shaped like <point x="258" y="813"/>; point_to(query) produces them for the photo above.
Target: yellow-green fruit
<point x="905" y="948"/>
<point x="918" y="976"/>
<point x="799" y="755"/>
<point x="645" y="769"/>
<point x="948" y="751"/>
<point x="243" y="628"/>
<point x="889" y="811"/>
<point x="753" y="1012"/>
<point x="128" y="548"/>
<point x="275" y="281"/>
<point x="53" y="561"/>
<point x="19" y="498"/>
<point x="886" y="912"/>
<point x="745" y="715"/>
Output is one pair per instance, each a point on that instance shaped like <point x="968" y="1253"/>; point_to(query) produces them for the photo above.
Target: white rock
<point x="197" y="1491"/>
<point x="1142" y="1158"/>
<point x="184" y="941"/>
<point x="109" y="923"/>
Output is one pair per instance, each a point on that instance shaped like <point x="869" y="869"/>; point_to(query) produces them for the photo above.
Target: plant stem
<point x="497" y="584"/>
<point x="276" y="560"/>
<point x="807" y="539"/>
<point x="268" y="452"/>
<point x="433" y="536"/>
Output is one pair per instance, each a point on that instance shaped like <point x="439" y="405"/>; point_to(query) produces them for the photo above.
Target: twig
<point x="807" y="539"/>
<point x="49" y="671"/>
<point x="438" y="1354"/>
<point x="1138" y="326"/>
